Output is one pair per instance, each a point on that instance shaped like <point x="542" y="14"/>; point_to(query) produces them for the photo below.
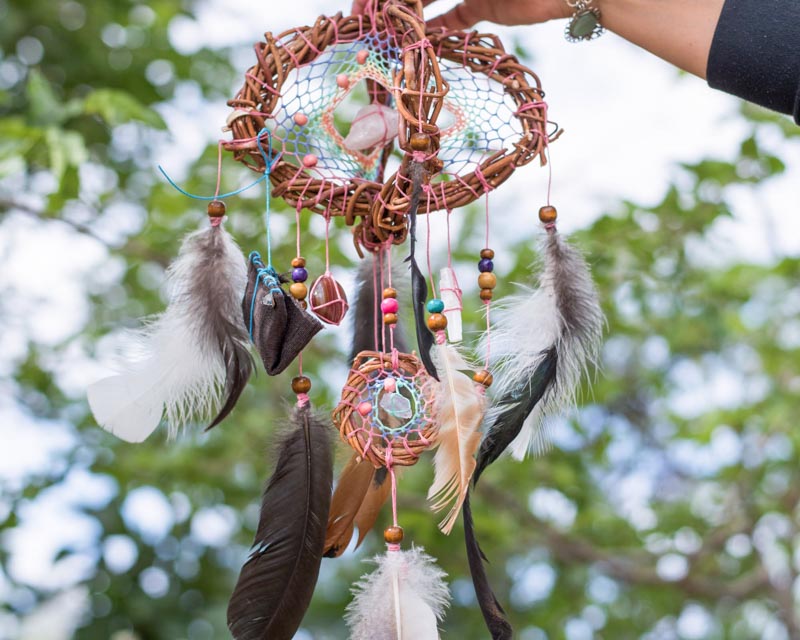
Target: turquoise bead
<point x="435" y="306"/>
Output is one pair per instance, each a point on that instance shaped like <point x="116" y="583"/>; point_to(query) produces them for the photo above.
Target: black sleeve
<point x="755" y="53"/>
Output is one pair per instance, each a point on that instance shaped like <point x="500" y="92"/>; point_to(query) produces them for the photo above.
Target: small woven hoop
<point x="277" y="56"/>
<point x="404" y="453"/>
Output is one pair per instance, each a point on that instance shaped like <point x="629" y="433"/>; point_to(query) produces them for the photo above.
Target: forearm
<point x="678" y="31"/>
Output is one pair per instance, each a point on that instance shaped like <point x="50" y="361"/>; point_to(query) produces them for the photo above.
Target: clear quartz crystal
<point x="396" y="405"/>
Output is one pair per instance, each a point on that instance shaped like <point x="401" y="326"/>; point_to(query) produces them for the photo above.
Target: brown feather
<point x="353" y="485"/>
<point x="377" y="495"/>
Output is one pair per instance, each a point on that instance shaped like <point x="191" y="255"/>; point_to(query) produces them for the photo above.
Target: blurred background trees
<point x="666" y="509"/>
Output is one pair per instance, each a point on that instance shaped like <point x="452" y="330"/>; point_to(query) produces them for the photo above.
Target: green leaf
<point x="45" y="105"/>
<point x="118" y="107"/>
<point x="65" y="149"/>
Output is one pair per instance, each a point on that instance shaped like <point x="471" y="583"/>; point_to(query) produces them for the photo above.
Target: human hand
<point x="507" y="12"/>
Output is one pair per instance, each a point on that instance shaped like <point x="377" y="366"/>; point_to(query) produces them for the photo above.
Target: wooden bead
<point x="420" y="141"/>
<point x="487" y="254"/>
<point x="487" y="280"/>
<point x="393" y="535"/>
<point x="298" y="290"/>
<point x="437" y="322"/>
<point x="216" y="209"/>
<point x="388" y="292"/>
<point x="299" y="262"/>
<point x="486" y="294"/>
<point x="484" y="377"/>
<point x="389" y="318"/>
<point x="548" y="214"/>
<point x="436" y="165"/>
<point x="301" y="384"/>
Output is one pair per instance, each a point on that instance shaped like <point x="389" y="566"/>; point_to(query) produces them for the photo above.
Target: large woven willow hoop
<point x="416" y="88"/>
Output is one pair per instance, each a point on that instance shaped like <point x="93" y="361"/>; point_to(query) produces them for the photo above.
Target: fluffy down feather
<point x="193" y="359"/>
<point x="403" y="599"/>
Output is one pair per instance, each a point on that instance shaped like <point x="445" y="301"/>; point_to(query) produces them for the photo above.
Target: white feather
<point x="180" y="374"/>
<point x="451" y="296"/>
<point x="403" y="599"/>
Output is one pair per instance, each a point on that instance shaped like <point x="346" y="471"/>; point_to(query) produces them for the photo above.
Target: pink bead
<point x="343" y="80"/>
<point x="310" y="161"/>
<point x="365" y="408"/>
<point x="390" y="305"/>
<point x="390" y="385"/>
<point x="361" y="56"/>
<point x="300" y="119"/>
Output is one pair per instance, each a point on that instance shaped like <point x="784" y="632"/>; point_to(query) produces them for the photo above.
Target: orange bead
<point x="484" y="377"/>
<point x="388" y="292"/>
<point x="216" y="209"/>
<point x="298" y="290"/>
<point x="487" y="254"/>
<point x="487" y="281"/>
<point x="389" y="318"/>
<point x="548" y="214"/>
<point x="299" y="262"/>
<point x="486" y="294"/>
<point x="437" y="322"/>
<point x="393" y="535"/>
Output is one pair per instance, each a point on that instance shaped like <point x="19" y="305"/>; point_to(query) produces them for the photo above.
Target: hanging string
<point x="488" y="303"/>
<point x="389" y="260"/>
<point x="428" y="247"/>
<point x="268" y="190"/>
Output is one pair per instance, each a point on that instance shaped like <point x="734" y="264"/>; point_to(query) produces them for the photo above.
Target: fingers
<point x="462" y="16"/>
<point x="360" y="6"/>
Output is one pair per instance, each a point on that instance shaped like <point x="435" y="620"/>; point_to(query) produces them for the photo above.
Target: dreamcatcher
<point x="448" y="117"/>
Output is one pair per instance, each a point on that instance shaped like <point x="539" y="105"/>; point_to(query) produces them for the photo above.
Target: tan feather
<point x="458" y="410"/>
<point x="378" y="493"/>
<point x="353" y="485"/>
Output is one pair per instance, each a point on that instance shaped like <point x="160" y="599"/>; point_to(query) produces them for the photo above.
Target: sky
<point x="629" y="121"/>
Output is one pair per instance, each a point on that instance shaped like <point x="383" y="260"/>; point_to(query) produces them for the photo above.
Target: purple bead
<point x="299" y="274"/>
<point x="486" y="266"/>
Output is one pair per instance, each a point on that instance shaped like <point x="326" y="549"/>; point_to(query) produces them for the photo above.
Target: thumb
<point x="462" y="16"/>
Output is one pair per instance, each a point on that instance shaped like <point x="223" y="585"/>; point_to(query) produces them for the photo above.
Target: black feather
<point x="277" y="581"/>
<point x="368" y="316"/>
<point x="515" y="408"/>
<point x="494" y="615"/>
<point x="212" y="288"/>
<point x="419" y="287"/>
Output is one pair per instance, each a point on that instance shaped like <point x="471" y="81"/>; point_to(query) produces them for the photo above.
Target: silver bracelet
<point x="585" y="22"/>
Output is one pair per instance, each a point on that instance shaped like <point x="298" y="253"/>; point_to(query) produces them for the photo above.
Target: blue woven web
<point x="478" y="119"/>
<point x="312" y="90"/>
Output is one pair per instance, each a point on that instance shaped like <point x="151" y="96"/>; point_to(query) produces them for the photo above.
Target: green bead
<point x="435" y="306"/>
<point x="583" y="25"/>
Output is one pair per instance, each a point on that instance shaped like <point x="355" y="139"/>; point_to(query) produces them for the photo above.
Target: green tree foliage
<point x="664" y="510"/>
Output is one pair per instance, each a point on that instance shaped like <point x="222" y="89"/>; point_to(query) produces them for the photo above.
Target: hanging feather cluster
<point x="277" y="581"/>
<point x="542" y="343"/>
<point x="403" y="599"/>
<point x="458" y="410"/>
<point x="194" y="358"/>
